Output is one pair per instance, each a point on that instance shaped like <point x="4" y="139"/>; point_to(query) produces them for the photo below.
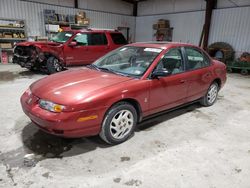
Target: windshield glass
<point x="129" y="60"/>
<point x="62" y="36"/>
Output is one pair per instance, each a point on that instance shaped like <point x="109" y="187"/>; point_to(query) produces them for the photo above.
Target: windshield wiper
<point x="93" y="66"/>
<point x="106" y="69"/>
<point x="114" y="72"/>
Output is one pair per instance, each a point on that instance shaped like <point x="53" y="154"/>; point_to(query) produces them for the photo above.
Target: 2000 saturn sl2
<point x="110" y="96"/>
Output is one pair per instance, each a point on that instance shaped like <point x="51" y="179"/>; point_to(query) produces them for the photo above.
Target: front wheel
<point x="53" y="65"/>
<point x="211" y="96"/>
<point x="119" y="123"/>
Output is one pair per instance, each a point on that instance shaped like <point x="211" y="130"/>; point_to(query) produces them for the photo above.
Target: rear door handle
<point x="183" y="81"/>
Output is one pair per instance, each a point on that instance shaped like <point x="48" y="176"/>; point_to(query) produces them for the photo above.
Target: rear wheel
<point x="211" y="96"/>
<point x="119" y="123"/>
<point x="54" y="65"/>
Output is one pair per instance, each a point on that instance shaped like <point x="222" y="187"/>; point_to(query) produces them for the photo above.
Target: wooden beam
<point x="210" y="5"/>
<point x="76" y="4"/>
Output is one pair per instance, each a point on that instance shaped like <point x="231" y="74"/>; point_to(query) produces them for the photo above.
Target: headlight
<point x="50" y="106"/>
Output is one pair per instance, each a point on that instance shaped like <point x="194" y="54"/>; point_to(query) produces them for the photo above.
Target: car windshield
<point x="62" y="37"/>
<point x="128" y="60"/>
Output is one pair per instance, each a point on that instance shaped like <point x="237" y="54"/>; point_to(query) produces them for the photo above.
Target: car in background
<point x="132" y="83"/>
<point x="67" y="48"/>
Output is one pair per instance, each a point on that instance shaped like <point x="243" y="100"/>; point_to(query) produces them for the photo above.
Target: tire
<point x="225" y="48"/>
<point x="211" y="96"/>
<point x="244" y="71"/>
<point x="53" y="65"/>
<point x="116" y="128"/>
<point x="229" y="70"/>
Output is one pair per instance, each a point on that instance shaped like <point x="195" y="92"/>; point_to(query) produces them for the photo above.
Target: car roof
<point x="163" y="44"/>
<point x="92" y="30"/>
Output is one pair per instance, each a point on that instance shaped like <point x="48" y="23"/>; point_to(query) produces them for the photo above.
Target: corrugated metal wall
<point x="231" y="25"/>
<point x="32" y="13"/>
<point x="187" y="26"/>
<point x="152" y="7"/>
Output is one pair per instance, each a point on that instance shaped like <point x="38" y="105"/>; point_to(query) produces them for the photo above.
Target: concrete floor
<point x="189" y="147"/>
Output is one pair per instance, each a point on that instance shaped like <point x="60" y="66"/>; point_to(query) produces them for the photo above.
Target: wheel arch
<point x="218" y="81"/>
<point x="134" y="103"/>
<point x="51" y="54"/>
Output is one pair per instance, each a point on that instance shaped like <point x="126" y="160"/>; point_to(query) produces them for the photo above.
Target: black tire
<point x="244" y="71"/>
<point x="31" y="69"/>
<point x="229" y="70"/>
<point x="225" y="48"/>
<point x="53" y="65"/>
<point x="205" y="101"/>
<point x="106" y="133"/>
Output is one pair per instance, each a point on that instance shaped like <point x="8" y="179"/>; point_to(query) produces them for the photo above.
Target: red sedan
<point x="122" y="88"/>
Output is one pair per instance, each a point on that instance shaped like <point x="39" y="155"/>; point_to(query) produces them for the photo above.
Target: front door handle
<point x="183" y="81"/>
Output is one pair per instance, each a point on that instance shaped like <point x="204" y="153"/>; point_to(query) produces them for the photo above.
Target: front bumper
<point x="23" y="61"/>
<point x="65" y="124"/>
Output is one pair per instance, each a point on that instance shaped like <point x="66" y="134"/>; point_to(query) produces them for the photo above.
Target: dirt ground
<point x="190" y="147"/>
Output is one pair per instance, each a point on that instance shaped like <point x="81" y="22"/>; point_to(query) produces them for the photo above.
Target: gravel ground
<point x="190" y="147"/>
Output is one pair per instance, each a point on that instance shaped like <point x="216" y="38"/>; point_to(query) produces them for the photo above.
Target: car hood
<point x="45" y="43"/>
<point x="73" y="86"/>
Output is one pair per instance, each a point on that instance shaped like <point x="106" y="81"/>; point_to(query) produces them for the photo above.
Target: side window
<point x="81" y="39"/>
<point x="196" y="59"/>
<point x="118" y="38"/>
<point x="172" y="61"/>
<point x="98" y="39"/>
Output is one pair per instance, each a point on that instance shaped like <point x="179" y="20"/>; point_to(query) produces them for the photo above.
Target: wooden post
<point x="210" y="5"/>
<point x="76" y="3"/>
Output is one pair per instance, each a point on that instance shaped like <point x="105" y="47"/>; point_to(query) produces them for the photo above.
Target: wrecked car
<point x="67" y="48"/>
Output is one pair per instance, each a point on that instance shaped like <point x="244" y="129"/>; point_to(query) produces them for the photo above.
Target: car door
<point x="77" y="54"/>
<point x="199" y="71"/>
<point x="98" y="45"/>
<point x="169" y="91"/>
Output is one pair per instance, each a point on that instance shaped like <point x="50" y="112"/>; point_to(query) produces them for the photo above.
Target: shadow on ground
<point x="44" y="146"/>
<point x="49" y="146"/>
<point x="11" y="76"/>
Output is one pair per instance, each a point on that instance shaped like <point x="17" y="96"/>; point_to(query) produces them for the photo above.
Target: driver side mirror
<point x="72" y="44"/>
<point x="160" y="73"/>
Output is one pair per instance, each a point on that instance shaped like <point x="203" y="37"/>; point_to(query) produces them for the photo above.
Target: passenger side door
<point x="169" y="91"/>
<point x="78" y="54"/>
<point x="199" y="73"/>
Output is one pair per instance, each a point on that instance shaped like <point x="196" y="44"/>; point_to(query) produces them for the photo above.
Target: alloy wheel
<point x="57" y="65"/>
<point x="212" y="93"/>
<point x="121" y="124"/>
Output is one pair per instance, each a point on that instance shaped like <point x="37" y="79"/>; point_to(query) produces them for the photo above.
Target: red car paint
<point x="87" y="93"/>
<point x="67" y="54"/>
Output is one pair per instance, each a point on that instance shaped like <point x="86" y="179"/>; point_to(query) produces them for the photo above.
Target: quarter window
<point x="196" y="59"/>
<point x="118" y="38"/>
<point x="172" y="62"/>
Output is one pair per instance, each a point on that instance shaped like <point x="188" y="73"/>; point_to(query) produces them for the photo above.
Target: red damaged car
<point x="119" y="90"/>
<point x="67" y="48"/>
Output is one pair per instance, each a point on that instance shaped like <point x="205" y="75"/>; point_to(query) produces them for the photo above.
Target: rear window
<point x="118" y="38"/>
